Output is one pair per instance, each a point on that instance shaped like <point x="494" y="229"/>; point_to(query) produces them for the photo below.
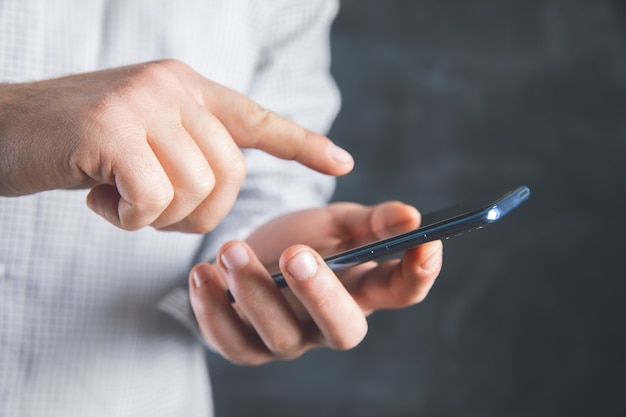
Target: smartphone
<point x="452" y="226"/>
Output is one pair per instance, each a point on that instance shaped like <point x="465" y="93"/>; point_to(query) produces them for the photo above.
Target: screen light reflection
<point x="493" y="214"/>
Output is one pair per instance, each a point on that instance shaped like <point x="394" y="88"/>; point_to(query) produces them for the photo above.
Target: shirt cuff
<point x="175" y="304"/>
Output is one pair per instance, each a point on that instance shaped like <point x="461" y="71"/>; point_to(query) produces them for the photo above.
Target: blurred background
<point x="453" y="100"/>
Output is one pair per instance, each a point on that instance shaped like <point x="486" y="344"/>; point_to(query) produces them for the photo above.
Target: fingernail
<point x="235" y="257"/>
<point x="433" y="263"/>
<point x="339" y="154"/>
<point x="200" y="276"/>
<point x="302" y="266"/>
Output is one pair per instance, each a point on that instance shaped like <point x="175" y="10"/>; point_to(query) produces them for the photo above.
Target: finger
<point x="394" y="217"/>
<point x="220" y="324"/>
<point x="186" y="167"/>
<point x="253" y="126"/>
<point x="261" y="302"/>
<point x="135" y="189"/>
<point x="375" y="222"/>
<point x="227" y="165"/>
<point x="399" y="284"/>
<point x="332" y="308"/>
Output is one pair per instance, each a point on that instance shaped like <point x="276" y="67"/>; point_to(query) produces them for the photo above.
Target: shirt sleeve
<point x="293" y="79"/>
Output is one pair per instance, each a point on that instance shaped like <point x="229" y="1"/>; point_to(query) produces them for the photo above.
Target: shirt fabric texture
<point x="94" y="320"/>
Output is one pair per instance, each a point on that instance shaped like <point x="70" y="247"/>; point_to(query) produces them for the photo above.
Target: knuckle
<point x="156" y="71"/>
<point x="171" y="64"/>
<point x="157" y="199"/>
<point x="261" y="115"/>
<point x="202" y="189"/>
<point x="261" y="119"/>
<point x="286" y="347"/>
<point x="200" y="186"/>
<point x="350" y="341"/>
<point x="241" y="356"/>
<point x="160" y="78"/>
<point x="203" y="224"/>
<point x="218" y="196"/>
<point x="138" y="215"/>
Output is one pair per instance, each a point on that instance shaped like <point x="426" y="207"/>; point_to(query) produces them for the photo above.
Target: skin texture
<point x="319" y="308"/>
<point x="159" y="145"/>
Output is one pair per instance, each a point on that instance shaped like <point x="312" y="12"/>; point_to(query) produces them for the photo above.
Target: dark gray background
<point x="456" y="100"/>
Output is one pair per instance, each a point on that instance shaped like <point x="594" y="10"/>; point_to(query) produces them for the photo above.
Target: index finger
<point x="253" y="126"/>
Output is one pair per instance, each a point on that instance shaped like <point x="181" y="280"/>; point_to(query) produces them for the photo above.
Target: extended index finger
<point x="253" y="126"/>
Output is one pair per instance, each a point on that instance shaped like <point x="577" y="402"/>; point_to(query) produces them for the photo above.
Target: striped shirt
<point x="94" y="320"/>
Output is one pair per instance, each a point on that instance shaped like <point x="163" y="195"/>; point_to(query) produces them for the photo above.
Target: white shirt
<point x="80" y="331"/>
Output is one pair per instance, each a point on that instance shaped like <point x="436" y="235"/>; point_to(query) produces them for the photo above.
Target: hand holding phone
<point x="444" y="229"/>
